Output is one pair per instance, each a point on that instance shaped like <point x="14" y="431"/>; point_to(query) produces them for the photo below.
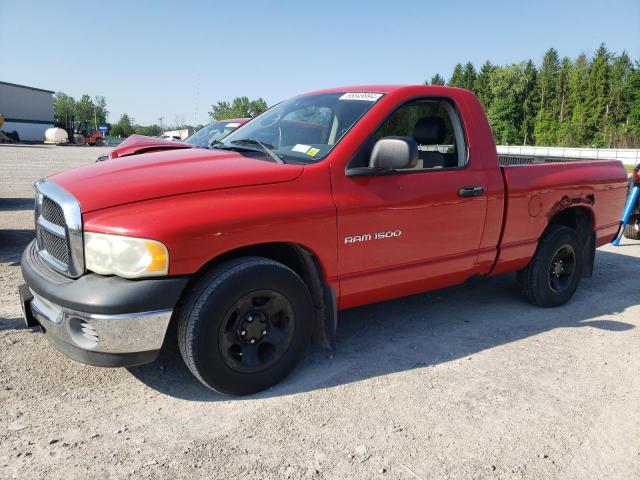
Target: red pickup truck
<point x="327" y="201"/>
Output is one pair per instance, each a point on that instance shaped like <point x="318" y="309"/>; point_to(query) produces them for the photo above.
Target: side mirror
<point x="394" y="153"/>
<point x="388" y="155"/>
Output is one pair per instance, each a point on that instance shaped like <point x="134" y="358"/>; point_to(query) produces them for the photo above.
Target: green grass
<point x="629" y="168"/>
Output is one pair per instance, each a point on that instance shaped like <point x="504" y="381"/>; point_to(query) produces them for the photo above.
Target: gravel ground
<point x="467" y="382"/>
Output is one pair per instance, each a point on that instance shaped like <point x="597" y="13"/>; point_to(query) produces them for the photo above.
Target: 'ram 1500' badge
<point x="365" y="237"/>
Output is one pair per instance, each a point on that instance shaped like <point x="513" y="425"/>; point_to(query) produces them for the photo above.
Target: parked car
<point x="215" y="131"/>
<point x="137" y="144"/>
<point x="327" y="201"/>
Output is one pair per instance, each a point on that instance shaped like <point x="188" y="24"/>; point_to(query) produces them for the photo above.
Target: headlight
<point x="125" y="256"/>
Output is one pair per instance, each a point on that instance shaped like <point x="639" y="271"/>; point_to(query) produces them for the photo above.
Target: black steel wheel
<point x="553" y="275"/>
<point x="245" y="325"/>
<point x="257" y="331"/>
<point x="562" y="269"/>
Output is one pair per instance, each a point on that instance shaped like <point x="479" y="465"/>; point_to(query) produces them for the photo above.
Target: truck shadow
<point x="13" y="204"/>
<point x="429" y="329"/>
<point x="11" y="323"/>
<point x="13" y="243"/>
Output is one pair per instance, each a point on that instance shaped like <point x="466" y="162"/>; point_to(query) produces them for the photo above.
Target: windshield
<point x="211" y="133"/>
<point x="302" y="129"/>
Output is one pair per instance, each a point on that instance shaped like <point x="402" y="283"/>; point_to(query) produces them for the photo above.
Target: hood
<point x="140" y="143"/>
<point x="162" y="174"/>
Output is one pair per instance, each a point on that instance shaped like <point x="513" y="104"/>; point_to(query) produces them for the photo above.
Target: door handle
<point x="470" y="191"/>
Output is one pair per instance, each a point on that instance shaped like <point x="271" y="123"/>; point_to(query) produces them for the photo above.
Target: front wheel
<point x="245" y="325"/>
<point x="99" y="142"/>
<point x="555" y="270"/>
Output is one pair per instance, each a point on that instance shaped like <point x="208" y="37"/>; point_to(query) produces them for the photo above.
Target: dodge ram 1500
<point x="326" y="201"/>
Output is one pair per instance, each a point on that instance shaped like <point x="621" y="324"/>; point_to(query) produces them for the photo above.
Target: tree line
<point x="64" y="105"/>
<point x="240" y="107"/>
<point x="86" y="110"/>
<point x="581" y="102"/>
<point x="91" y="111"/>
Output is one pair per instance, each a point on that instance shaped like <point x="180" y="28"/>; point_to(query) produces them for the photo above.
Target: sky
<point x="174" y="59"/>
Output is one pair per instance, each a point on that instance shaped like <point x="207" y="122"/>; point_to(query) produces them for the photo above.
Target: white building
<point x="26" y="110"/>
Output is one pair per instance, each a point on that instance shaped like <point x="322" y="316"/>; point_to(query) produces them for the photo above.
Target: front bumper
<point x="99" y="320"/>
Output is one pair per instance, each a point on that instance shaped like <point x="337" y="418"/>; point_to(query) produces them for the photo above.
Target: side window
<point x="436" y="128"/>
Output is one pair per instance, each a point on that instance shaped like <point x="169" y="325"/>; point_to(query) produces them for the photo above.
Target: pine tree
<point x="631" y="97"/>
<point x="468" y="76"/>
<point x="617" y="107"/>
<point x="529" y="103"/>
<point x="546" y="124"/>
<point x="457" y="77"/>
<point x="562" y="89"/>
<point x="597" y="96"/>
<point x="482" y="86"/>
<point x="575" y="131"/>
<point x="437" y="80"/>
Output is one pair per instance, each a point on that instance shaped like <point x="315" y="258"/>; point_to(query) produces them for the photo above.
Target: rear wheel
<point x="555" y="270"/>
<point x="245" y="325"/>
<point x="632" y="229"/>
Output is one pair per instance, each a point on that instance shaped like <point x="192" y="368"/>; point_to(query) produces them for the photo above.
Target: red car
<point x="327" y="201"/>
<point x="204" y="137"/>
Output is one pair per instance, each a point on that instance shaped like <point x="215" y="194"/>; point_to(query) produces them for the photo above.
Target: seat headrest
<point x="429" y="131"/>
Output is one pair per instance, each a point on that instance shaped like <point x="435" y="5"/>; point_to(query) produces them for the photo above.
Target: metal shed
<point x="26" y="110"/>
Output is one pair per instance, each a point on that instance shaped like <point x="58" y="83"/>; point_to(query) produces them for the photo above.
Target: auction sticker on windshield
<point x="301" y="148"/>
<point x="367" y="97"/>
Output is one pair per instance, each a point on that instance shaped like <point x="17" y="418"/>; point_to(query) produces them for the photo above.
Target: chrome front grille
<point x="59" y="228"/>
<point x="53" y="244"/>
<point x="52" y="211"/>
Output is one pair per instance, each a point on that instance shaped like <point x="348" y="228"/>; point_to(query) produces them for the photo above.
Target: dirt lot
<point x="468" y="382"/>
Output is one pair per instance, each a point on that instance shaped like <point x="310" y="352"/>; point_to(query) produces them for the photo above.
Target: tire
<point x="632" y="229"/>
<point x="99" y="142"/>
<point x="555" y="270"/>
<point x="223" y="320"/>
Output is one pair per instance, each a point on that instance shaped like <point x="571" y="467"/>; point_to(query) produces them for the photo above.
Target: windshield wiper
<point x="217" y="144"/>
<point x="265" y="147"/>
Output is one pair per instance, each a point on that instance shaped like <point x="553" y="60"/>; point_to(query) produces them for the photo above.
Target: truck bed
<point x="536" y="188"/>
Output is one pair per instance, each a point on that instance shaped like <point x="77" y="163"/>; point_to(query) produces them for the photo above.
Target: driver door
<point x="412" y="231"/>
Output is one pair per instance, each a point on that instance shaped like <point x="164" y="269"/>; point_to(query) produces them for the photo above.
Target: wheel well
<point x="306" y="265"/>
<point x="289" y="254"/>
<point x="579" y="219"/>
